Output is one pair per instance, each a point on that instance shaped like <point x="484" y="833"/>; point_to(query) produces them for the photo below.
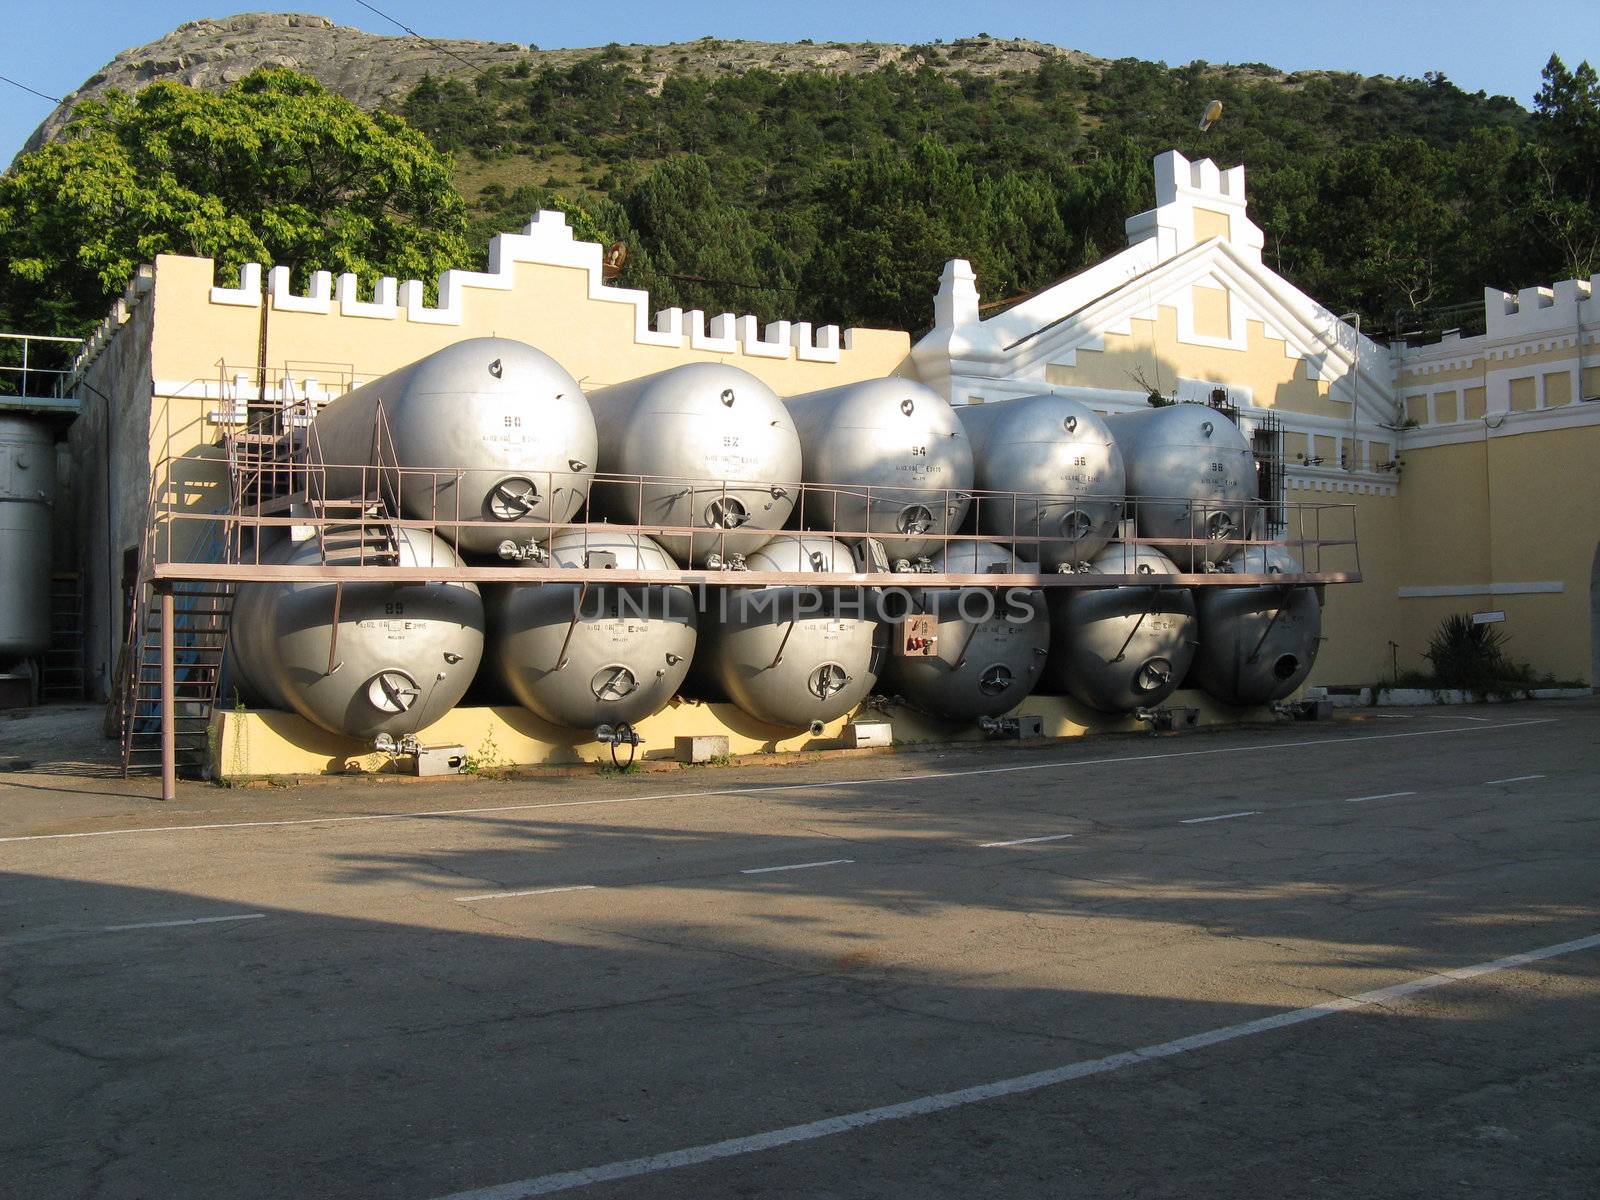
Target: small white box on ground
<point x="441" y="760"/>
<point x="701" y="747"/>
<point x="859" y="734"/>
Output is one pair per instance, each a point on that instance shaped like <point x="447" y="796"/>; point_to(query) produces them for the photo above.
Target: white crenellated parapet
<point x="1184" y="188"/>
<point x="1540" y="310"/>
<point x="121" y="311"/>
<point x="383" y="306"/>
<point x="547" y="240"/>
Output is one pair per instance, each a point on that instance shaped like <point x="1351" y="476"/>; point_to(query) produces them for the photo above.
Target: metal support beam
<point x="169" y="704"/>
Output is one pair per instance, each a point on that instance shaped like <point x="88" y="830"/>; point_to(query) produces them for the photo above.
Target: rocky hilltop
<point x="376" y="71"/>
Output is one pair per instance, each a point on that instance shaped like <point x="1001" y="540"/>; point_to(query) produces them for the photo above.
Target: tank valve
<point x="1019" y="727"/>
<point x="1168" y="720"/>
<point x="532" y="552"/>
<point x="620" y="734"/>
<point x="387" y="744"/>
<point x="734" y="562"/>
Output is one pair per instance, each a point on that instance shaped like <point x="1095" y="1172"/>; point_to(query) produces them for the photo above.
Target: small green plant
<point x="609" y="769"/>
<point x="486" y="758"/>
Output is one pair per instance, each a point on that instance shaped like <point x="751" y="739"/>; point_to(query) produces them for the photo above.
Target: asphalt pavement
<point x="1360" y="957"/>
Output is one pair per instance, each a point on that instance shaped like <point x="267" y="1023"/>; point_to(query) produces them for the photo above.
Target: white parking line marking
<point x="1379" y="796"/>
<point x="175" y="924"/>
<point x="1221" y="817"/>
<point x="544" y="1185"/>
<point x="1513" y="779"/>
<point x="576" y="887"/>
<point x="824" y="784"/>
<point x="1054" y="837"/>
<point x="832" y="862"/>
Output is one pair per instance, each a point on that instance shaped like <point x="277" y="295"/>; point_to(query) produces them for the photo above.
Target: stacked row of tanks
<point x="498" y="451"/>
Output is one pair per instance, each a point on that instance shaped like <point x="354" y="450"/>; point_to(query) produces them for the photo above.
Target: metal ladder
<point x="63" y="662"/>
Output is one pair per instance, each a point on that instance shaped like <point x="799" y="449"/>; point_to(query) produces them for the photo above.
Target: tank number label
<point x="513" y="422"/>
<point x="396" y="630"/>
<point x="730" y="441"/>
<point x="395" y="608"/>
<point x="1080" y="461"/>
<point x="919" y="452"/>
<point x="1216" y="466"/>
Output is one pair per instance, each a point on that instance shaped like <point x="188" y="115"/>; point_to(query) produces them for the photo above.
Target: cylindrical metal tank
<point x="721" y="450"/>
<point x="597" y="655"/>
<point x="505" y="425"/>
<point x="1190" y="475"/>
<point x="1257" y="644"/>
<point x="791" y="656"/>
<point x="365" y="658"/>
<point x="1047" y="445"/>
<point x="27" y="492"/>
<point x="1120" y="648"/>
<point x="897" y="437"/>
<point x="991" y="644"/>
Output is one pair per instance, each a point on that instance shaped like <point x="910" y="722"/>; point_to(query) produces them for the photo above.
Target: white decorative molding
<point x="1182" y="187"/>
<point x="1077" y="313"/>
<point x="547" y="240"/>
<point x="1577" y="415"/>
<point x="1566" y="306"/>
<point x="1434" y="591"/>
<point x="1336" y="480"/>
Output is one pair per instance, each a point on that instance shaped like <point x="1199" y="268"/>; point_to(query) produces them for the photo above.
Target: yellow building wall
<point x="1211" y="312"/>
<point x="1523" y="509"/>
<point x="1557" y="388"/>
<point x="1153" y="351"/>
<point x="547" y="306"/>
<point x="1360" y="619"/>
<point x="1208" y="223"/>
<point x="247" y="743"/>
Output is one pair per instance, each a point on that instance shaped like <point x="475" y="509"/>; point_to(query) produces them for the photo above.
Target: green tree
<point x="275" y="169"/>
<point x="1563" y="200"/>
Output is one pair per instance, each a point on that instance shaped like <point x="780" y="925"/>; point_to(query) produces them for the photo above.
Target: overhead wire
<point x="476" y="68"/>
<point x="24" y="87"/>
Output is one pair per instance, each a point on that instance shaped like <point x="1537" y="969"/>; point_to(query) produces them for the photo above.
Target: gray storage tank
<point x="991" y="646"/>
<point x="504" y="424"/>
<point x="1116" y="649"/>
<point x="27" y="492"/>
<point x="897" y="437"/>
<point x="720" y="450"/>
<point x="1191" y="475"/>
<point x="605" y="654"/>
<point x="1051" y="446"/>
<point x="365" y="658"/>
<point x="792" y="656"/>
<point x="1257" y="643"/>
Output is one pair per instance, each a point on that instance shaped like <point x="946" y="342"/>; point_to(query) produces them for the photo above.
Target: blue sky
<point x="1499" y="48"/>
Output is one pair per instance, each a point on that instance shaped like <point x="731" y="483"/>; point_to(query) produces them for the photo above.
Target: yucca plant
<point x="1467" y="655"/>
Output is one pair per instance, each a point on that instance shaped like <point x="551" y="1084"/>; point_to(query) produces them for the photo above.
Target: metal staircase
<point x="200" y="614"/>
<point x="273" y="471"/>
